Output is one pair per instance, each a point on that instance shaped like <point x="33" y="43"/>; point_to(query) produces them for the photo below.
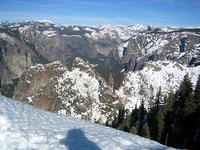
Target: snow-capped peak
<point x="140" y="27"/>
<point x="45" y="21"/>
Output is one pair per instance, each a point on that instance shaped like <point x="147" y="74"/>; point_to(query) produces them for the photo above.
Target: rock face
<point x="49" y="41"/>
<point x="80" y="92"/>
<point x="181" y="46"/>
<point x="15" y="57"/>
<point x="33" y="87"/>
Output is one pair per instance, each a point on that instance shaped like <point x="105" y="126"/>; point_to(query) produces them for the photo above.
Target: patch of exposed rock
<point x="80" y="92"/>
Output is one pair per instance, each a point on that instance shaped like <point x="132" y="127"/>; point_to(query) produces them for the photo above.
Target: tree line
<point x="173" y="120"/>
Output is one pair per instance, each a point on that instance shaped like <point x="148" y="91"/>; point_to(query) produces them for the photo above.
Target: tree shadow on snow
<point x="76" y="140"/>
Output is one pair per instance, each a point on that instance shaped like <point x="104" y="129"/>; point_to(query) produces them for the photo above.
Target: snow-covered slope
<point x="144" y="84"/>
<point x="25" y="127"/>
<point x="80" y="92"/>
<point x="123" y="32"/>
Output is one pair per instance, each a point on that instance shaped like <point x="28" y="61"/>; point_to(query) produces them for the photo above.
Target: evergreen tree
<point x="197" y="89"/>
<point x="142" y="114"/>
<point x="158" y="98"/>
<point x="142" y="111"/>
<point x="169" y="101"/>
<point x="126" y="123"/>
<point x="121" y="115"/>
<point x="133" y="130"/>
<point x="119" y="120"/>
<point x="145" y="132"/>
<point x="168" y="117"/>
<point x="159" y="125"/>
<point x="134" y="116"/>
<point x="185" y="91"/>
<point x="115" y="123"/>
<point x="182" y="109"/>
<point x="156" y="118"/>
<point x="190" y="105"/>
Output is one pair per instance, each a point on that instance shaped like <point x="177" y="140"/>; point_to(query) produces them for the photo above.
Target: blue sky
<point x="94" y="12"/>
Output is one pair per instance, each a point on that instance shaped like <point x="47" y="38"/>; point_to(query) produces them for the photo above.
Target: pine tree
<point x="145" y="132"/>
<point x="159" y="124"/>
<point x="156" y="118"/>
<point x="133" y="130"/>
<point x="158" y="98"/>
<point x="182" y="109"/>
<point x="185" y="91"/>
<point x="197" y="89"/>
<point x="190" y="105"/>
<point x="142" y="113"/>
<point x="169" y="101"/>
<point x="126" y="124"/>
<point x="115" y="123"/>
<point x="134" y="116"/>
<point x="118" y="121"/>
<point x="121" y="115"/>
<point x="168" y="118"/>
<point x="197" y="94"/>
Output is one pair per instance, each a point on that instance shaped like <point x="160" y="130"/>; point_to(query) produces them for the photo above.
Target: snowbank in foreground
<point x="25" y="127"/>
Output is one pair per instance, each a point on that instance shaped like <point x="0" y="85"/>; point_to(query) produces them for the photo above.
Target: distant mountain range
<point x="89" y="71"/>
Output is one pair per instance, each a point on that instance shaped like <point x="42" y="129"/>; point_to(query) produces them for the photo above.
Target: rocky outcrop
<point x="15" y="57"/>
<point x="80" y="92"/>
<point x="33" y="87"/>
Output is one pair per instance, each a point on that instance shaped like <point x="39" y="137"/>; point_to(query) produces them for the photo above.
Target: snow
<point x="170" y="29"/>
<point x="78" y="89"/>
<point x="153" y="42"/>
<point x="139" y="27"/>
<point x="124" y="32"/>
<point x="145" y="83"/>
<point x="79" y="81"/>
<point x="89" y="29"/>
<point x="25" y="127"/>
<point x="64" y="35"/>
<point x="29" y="82"/>
<point x="197" y="46"/>
<point x="121" y="49"/>
<point x="38" y="67"/>
<point x="14" y="26"/>
<point x="7" y="37"/>
<point x="49" y="33"/>
<point x="30" y="100"/>
<point x="24" y="28"/>
<point x="76" y="29"/>
<point x="83" y="86"/>
<point x="45" y="21"/>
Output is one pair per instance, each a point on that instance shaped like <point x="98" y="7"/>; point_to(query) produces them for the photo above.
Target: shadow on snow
<point x="76" y="140"/>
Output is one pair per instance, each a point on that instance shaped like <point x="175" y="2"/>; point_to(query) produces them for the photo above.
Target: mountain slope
<point x="144" y="84"/>
<point x="43" y="41"/>
<point x="180" y="46"/>
<point x="80" y="92"/>
<point x="25" y="127"/>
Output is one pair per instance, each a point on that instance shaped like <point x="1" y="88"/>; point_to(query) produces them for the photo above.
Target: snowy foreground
<point x="25" y="127"/>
